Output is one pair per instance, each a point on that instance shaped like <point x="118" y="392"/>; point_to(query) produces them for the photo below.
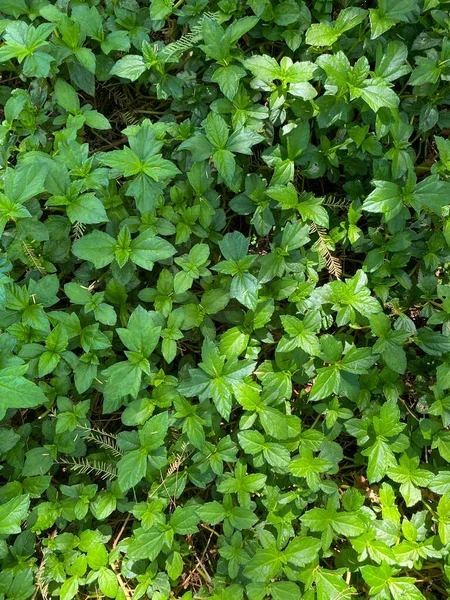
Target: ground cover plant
<point x="225" y="299"/>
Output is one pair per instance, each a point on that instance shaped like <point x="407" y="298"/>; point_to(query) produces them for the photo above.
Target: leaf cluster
<point x="225" y="299"/>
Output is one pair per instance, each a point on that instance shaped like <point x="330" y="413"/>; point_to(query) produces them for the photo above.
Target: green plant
<point x="225" y="299"/>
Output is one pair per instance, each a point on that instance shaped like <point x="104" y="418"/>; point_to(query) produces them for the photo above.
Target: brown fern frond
<point x="175" y="465"/>
<point x="84" y="466"/>
<point x="104" y="440"/>
<point x="42" y="581"/>
<point x="35" y="260"/>
<point x="78" y="230"/>
<point x="128" y="118"/>
<point x="334" y="202"/>
<point x="333" y="264"/>
<point x="173" y="468"/>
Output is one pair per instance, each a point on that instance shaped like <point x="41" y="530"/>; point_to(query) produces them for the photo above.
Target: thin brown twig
<point x="121" y="583"/>
<point x="112" y="145"/>
<point x="122" y="529"/>
<point x="409" y="410"/>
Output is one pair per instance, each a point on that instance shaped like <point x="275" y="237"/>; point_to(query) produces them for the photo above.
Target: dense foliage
<point x="225" y="299"/>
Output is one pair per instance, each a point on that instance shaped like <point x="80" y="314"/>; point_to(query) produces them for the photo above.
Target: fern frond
<point x="35" y="260"/>
<point x="43" y="578"/>
<point x="321" y="247"/>
<point x="179" y="460"/>
<point x="84" y="466"/>
<point x="128" y="118"/>
<point x="334" y="202"/>
<point x="175" y="465"/>
<point x="187" y="41"/>
<point x="78" y="230"/>
<point x="104" y="440"/>
<point x="119" y="98"/>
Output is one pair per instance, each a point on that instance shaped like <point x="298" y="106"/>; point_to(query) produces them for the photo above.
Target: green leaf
<point x="381" y="458"/>
<point x="432" y="342"/>
<point x="18" y="392"/>
<point x="38" y="462"/>
<point x="386" y="199"/>
<point x="391" y="61"/>
<point x="326" y="383"/>
<point x="440" y="483"/>
<point x="122" y="378"/>
<point x="381" y="580"/>
<point x="96" y="247"/>
<point x="411" y="477"/>
<point x="242" y="140"/>
<point x="86" y="58"/>
<point x="141" y="334"/>
<point x="321" y="34"/>
<point x="69" y="588"/>
<point x="212" y="513"/>
<point x="263" y="67"/>
<point x="225" y="164"/>
<point x="96" y="120"/>
<point x="228" y="78"/>
<point x="159" y="168"/>
<point x="216" y="131"/>
<point x="160" y="9"/>
<point x="331" y="586"/>
<point x="87" y="208"/>
<point x="301" y="551"/>
<point x="25" y="182"/>
<point x="388" y="14"/>
<point x="12" y="513"/>
<point x="129" y="67"/>
<point x="124" y="160"/>
<point x="13" y="7"/>
<point x="154" y="431"/>
<point x="239" y="27"/>
<point x="66" y="96"/>
<point x="432" y="194"/>
<point x="244" y="287"/>
<point x="377" y="93"/>
<point x="97" y="556"/>
<point x="147" y="249"/>
<point x="264" y="565"/>
<point x="131" y="469"/>
<point x="107" y="582"/>
<point x="146" y="545"/>
<point x="216" y="45"/>
<point x="184" y="520"/>
<point x="358" y="360"/>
